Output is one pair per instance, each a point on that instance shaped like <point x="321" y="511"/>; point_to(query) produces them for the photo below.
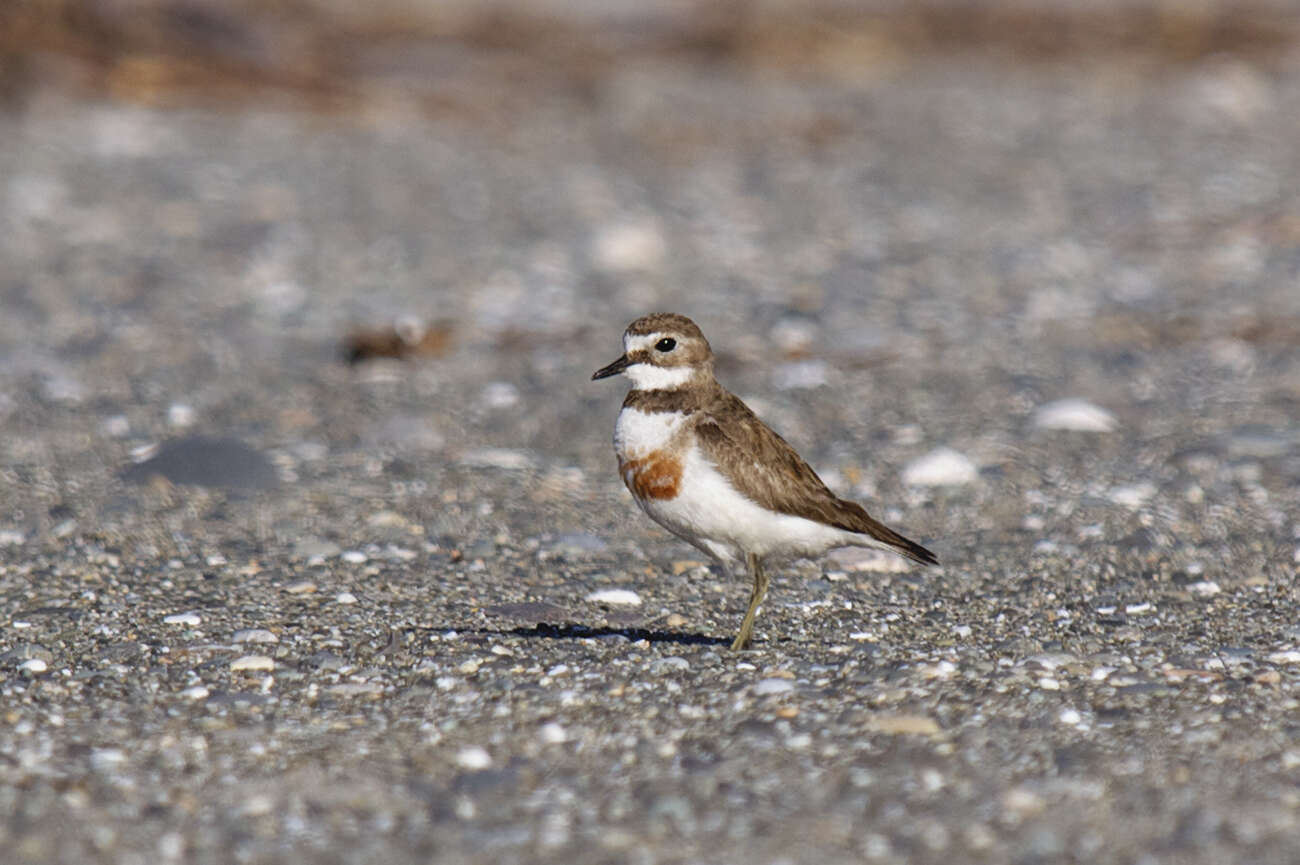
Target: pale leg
<point x="755" y="598"/>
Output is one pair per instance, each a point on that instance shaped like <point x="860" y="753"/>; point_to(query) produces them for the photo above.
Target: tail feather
<point x="862" y="523"/>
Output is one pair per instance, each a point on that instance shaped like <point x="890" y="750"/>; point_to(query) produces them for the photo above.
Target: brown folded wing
<point x="764" y="468"/>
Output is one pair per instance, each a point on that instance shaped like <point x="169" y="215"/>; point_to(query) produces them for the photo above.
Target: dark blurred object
<point x="223" y="463"/>
<point x="329" y="54"/>
<point x="401" y="341"/>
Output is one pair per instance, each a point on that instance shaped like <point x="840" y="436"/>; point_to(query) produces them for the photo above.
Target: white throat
<point x="645" y="376"/>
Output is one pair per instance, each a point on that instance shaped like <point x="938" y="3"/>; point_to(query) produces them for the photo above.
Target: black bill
<point x="613" y="369"/>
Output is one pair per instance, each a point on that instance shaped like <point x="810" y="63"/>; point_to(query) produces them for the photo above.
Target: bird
<point x="700" y="463"/>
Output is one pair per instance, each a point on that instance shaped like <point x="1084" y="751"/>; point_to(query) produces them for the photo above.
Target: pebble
<point x="315" y="548"/>
<point x="34" y="665"/>
<point x="615" y="597"/>
<point x="189" y="618"/>
<point x="196" y="693"/>
<point x="1074" y="414"/>
<point x="767" y="687"/>
<point x="11" y="538"/>
<point x="499" y="395"/>
<point x="629" y="246"/>
<point x="254" y="635"/>
<point x="107" y="759"/>
<point x="116" y="426"/>
<point x="302" y="587"/>
<point x="914" y="725"/>
<point x="670" y="664"/>
<point x="498" y="458"/>
<point x="1022" y="802"/>
<point x="354" y="557"/>
<point x="800" y="375"/>
<point x="207" y="462"/>
<point x="180" y="415"/>
<point x="1290" y="656"/>
<point x="473" y="757"/>
<point x="1204" y="588"/>
<point x="940" y="467"/>
<point x="252" y="664"/>
<point x="1132" y="495"/>
<point x="346" y="598"/>
<point x="552" y="733"/>
<point x="579" y="543"/>
<point x="387" y="520"/>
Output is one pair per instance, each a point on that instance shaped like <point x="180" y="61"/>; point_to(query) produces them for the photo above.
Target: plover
<point x="700" y="463"/>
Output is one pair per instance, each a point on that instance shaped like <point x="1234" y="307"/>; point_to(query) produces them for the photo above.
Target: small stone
<point x="1074" y="414"/>
<point x="180" y="415"/>
<point x="676" y="620"/>
<point x="207" y="462"/>
<point x="190" y="618"/>
<point x="579" y="543"/>
<point x="1022" y="802"/>
<point x="354" y="557"/>
<point x="498" y="458"/>
<point x="1204" y="588"/>
<point x="670" y="664"/>
<point x="768" y="687"/>
<point x="800" y="375"/>
<point x="615" y="597"/>
<point x="473" y="757"/>
<point x="499" y="395"/>
<point x="346" y="598"/>
<point x="11" y="537"/>
<point x="196" y="693"/>
<point x="629" y="246"/>
<point x="1070" y="716"/>
<point x="387" y="520"/>
<point x="552" y="733"/>
<point x="107" y="759"/>
<point x="1290" y="656"/>
<point x="257" y="805"/>
<point x="315" y="548"/>
<point x="1132" y="495"/>
<point x="940" y="467"/>
<point x="33" y="665"/>
<point x="302" y="587"/>
<point x="117" y="426"/>
<point x="254" y="635"/>
<point x="914" y="725"/>
<point x="252" y="664"/>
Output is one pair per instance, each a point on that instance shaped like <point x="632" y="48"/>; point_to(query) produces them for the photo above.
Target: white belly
<point x="710" y="513"/>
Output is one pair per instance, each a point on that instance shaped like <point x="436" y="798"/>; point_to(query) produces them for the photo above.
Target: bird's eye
<point x="666" y="344"/>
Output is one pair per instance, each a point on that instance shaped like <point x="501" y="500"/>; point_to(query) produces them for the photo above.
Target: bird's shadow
<point x="571" y="631"/>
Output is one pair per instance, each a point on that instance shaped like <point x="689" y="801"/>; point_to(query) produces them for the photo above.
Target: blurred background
<point x="948" y="213"/>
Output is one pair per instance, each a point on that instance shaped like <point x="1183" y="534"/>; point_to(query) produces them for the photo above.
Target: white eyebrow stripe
<point x="635" y="342"/>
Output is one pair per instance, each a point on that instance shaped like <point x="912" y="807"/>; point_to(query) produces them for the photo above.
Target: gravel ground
<point x="259" y="605"/>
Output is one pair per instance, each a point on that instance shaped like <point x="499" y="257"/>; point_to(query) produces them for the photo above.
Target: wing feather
<point x="766" y="469"/>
